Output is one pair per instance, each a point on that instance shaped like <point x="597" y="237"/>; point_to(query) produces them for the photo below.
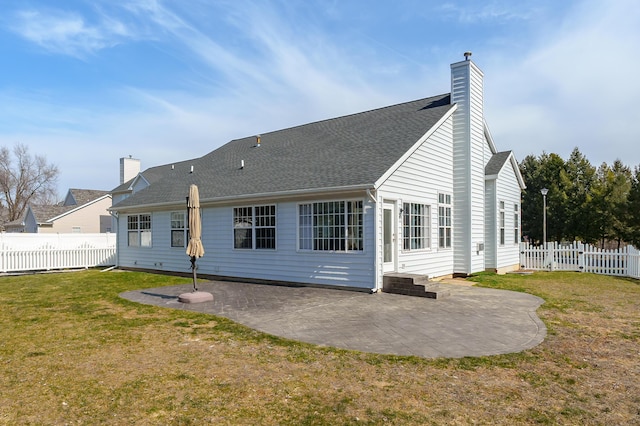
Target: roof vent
<point x="173" y="166"/>
<point x="467" y="56"/>
<point x="258" y="141"/>
<point x="242" y="164"/>
<point x="191" y="171"/>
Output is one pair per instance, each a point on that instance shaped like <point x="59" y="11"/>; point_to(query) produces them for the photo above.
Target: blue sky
<point x="87" y="82"/>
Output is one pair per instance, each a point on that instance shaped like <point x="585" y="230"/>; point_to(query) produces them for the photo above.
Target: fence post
<point x="4" y="254"/>
<point x="580" y="246"/>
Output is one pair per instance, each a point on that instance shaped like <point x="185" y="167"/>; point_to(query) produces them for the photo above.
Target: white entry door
<point x="389" y="237"/>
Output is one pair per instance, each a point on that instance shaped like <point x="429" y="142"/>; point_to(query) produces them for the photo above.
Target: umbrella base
<point x="195" y="297"/>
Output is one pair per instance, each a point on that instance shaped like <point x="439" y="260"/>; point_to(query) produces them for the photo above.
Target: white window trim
<point x="428" y="233"/>
<point x="184" y="229"/>
<point x="516" y="225"/>
<point x="502" y="237"/>
<point x="348" y="252"/>
<point x="140" y="231"/>
<point x="254" y="227"/>
<point x="449" y="206"/>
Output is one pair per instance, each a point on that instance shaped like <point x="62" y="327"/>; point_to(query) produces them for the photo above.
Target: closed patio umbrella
<point x="195" y="248"/>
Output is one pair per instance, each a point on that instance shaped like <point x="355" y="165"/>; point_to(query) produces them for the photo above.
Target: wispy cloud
<point x="281" y="74"/>
<point x="574" y="86"/>
<point x="556" y="75"/>
<point x="494" y="11"/>
<point x="67" y="33"/>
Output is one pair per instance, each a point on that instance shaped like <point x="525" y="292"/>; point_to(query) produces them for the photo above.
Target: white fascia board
<point x="516" y="170"/>
<point x="489" y="138"/>
<point x="415" y="146"/>
<point x="79" y="208"/>
<point x="136" y="179"/>
<point x="283" y="195"/>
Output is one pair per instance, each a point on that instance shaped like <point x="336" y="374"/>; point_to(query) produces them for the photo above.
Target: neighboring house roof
<point x="302" y="158"/>
<point x="18" y="223"/>
<point x="45" y="213"/>
<point x="84" y="196"/>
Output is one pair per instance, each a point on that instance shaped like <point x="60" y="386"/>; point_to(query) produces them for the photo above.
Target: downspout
<point x="371" y="196"/>
<point x="376" y="273"/>
<point x="116" y="217"/>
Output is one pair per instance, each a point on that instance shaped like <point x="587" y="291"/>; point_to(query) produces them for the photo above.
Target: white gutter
<point x="280" y="194"/>
<point x="371" y="196"/>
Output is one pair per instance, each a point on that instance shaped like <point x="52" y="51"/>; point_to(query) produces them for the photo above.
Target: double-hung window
<point x="501" y="218"/>
<point x="254" y="227"/>
<point x="415" y="226"/>
<point x="265" y="227"/>
<point x="139" y="230"/>
<point x="516" y="224"/>
<point x="178" y="229"/>
<point x="444" y="220"/>
<point x="331" y="226"/>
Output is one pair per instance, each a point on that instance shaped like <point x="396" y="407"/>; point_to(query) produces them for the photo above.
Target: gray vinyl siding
<point x="139" y="185"/>
<point x="285" y="263"/>
<point x="154" y="257"/>
<point x="425" y="174"/>
<point x="30" y="223"/>
<point x="507" y="190"/>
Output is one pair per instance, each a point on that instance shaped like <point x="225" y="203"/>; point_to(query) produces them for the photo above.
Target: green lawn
<point x="73" y="352"/>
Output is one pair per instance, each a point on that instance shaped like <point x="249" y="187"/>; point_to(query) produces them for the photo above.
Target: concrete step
<point x="413" y="285"/>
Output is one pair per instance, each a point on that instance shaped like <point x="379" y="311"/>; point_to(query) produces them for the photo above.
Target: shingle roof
<point x="152" y="175"/>
<point x="496" y="163"/>
<point x="46" y="212"/>
<point x="83" y="196"/>
<point x="43" y="213"/>
<point x="336" y="153"/>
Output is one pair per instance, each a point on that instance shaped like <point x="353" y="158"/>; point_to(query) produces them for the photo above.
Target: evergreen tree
<point x="583" y="203"/>
<point x="610" y="201"/>
<point x="632" y="224"/>
<point x="577" y="181"/>
<point x="538" y="173"/>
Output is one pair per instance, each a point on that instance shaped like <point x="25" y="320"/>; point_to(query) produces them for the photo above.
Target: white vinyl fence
<point x="581" y="257"/>
<point x="43" y="252"/>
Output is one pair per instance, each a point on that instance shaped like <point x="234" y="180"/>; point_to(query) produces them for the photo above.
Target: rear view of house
<point x="417" y="187"/>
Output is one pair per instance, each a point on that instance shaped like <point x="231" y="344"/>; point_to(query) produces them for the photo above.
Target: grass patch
<point x="73" y="352"/>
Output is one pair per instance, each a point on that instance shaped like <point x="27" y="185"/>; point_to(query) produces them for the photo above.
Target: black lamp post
<point x="544" y="192"/>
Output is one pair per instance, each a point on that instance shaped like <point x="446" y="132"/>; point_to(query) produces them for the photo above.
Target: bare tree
<point x="24" y="179"/>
